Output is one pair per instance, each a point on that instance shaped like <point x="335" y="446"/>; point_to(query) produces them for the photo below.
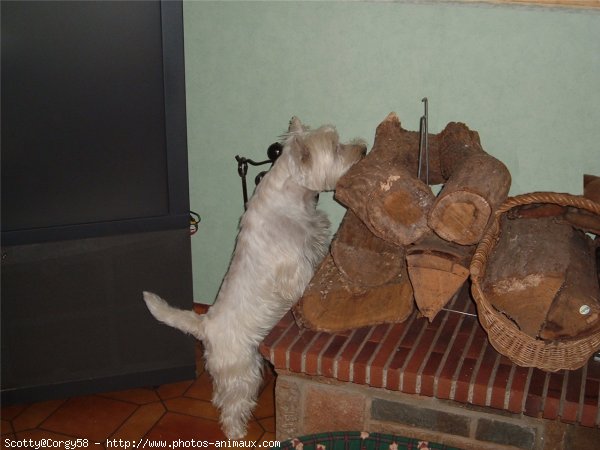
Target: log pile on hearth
<point x="400" y="245"/>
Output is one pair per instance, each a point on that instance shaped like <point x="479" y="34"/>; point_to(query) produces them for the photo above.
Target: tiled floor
<point x="171" y="412"/>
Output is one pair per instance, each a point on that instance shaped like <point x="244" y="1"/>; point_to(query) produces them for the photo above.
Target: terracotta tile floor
<point x="169" y="412"/>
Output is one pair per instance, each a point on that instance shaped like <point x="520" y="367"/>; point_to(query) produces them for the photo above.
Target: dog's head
<point x="318" y="159"/>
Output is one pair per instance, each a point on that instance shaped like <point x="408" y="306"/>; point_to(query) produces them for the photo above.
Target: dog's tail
<point x="186" y="321"/>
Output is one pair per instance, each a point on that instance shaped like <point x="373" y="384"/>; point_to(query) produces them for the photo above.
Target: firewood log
<point x="363" y="257"/>
<point x="383" y="190"/>
<point x="477" y="184"/>
<point x="578" y="218"/>
<point x="333" y="303"/>
<point x="591" y="190"/>
<point x="542" y="275"/>
<point x="576" y="309"/>
<point x="437" y="270"/>
<point x="591" y="187"/>
<point x="396" y="146"/>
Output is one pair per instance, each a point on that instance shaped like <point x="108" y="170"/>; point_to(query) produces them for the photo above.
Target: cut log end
<point x="437" y="270"/>
<point x="433" y="288"/>
<point x="526" y="301"/>
<point x="399" y="214"/>
<point x="460" y="217"/>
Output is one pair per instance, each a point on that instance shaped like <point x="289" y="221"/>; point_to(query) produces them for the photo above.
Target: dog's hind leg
<point x="235" y="393"/>
<point x="186" y="321"/>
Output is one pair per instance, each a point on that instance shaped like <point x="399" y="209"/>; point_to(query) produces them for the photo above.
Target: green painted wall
<point x="527" y="79"/>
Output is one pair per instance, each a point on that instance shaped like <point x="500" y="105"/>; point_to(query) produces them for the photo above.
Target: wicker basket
<point x="503" y="334"/>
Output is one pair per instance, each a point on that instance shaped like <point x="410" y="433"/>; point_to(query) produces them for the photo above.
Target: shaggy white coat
<point x="281" y="240"/>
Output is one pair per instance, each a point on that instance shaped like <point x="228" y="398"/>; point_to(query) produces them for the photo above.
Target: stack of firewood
<point x="398" y="241"/>
<point x="400" y="245"/>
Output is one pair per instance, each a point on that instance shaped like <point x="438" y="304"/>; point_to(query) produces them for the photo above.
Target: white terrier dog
<point x="281" y="240"/>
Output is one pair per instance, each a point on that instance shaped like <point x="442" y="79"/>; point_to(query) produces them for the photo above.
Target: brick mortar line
<point x="473" y="424"/>
<point x="411" y="353"/>
<point x="360" y="347"/>
<point x="302" y="404"/>
<point x="456" y="373"/>
<point x="289" y="347"/>
<point x="305" y="351"/>
<point x="276" y="343"/>
<point x="340" y="351"/>
<point x="446" y="354"/>
<point x="526" y="389"/>
<point x="375" y="352"/>
<point x="490" y="385"/>
<point x="508" y="390"/>
<point x="582" y="394"/>
<point x="545" y="392"/>
<point x="457" y="328"/>
<point x="367" y="411"/>
<point x="563" y="394"/>
<point x="386" y="366"/>
<point x="320" y="356"/>
<point x="431" y="347"/>
<point x="473" y="379"/>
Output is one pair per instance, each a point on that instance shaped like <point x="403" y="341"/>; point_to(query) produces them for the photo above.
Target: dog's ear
<point x="295" y="125"/>
<point x="304" y="154"/>
<point x="299" y="151"/>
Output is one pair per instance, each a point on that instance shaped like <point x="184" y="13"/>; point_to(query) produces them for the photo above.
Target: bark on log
<point x="578" y="218"/>
<point x="332" y="303"/>
<point x="362" y="257"/>
<point x="383" y="192"/>
<point x="477" y="184"/>
<point x="566" y="318"/>
<point x="396" y="146"/>
<point x="437" y="270"/>
<point x="591" y="187"/>
<point x="540" y="274"/>
<point x="583" y="220"/>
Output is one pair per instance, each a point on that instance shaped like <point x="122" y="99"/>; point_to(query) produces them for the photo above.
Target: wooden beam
<point x="548" y="3"/>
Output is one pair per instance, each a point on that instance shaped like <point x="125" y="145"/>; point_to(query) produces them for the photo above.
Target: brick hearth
<point x="444" y="367"/>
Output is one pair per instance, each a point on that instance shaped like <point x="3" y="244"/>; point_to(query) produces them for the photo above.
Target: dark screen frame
<point x="176" y="152"/>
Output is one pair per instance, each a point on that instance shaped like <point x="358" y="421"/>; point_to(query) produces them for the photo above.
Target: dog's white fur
<point x="282" y="238"/>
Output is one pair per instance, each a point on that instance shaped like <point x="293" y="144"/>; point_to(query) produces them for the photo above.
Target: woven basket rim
<point x="503" y="334"/>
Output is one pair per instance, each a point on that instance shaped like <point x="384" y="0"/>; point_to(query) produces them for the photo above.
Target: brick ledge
<point x="448" y="359"/>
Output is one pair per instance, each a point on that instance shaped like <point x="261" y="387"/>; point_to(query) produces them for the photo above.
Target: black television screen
<point x="93" y="119"/>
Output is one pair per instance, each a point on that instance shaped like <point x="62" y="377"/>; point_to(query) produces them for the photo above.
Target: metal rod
<point x="424" y="100"/>
<point x="424" y="142"/>
<point x="459" y="312"/>
<point x="242" y="171"/>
